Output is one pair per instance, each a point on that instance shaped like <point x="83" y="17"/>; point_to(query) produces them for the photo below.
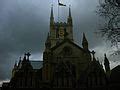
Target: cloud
<point x="24" y="25"/>
<point x="22" y="28"/>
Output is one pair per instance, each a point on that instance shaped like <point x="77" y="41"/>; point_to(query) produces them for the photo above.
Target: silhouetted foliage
<point x="110" y="11"/>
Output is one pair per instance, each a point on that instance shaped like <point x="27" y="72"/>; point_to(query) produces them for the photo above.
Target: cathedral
<point x="65" y="64"/>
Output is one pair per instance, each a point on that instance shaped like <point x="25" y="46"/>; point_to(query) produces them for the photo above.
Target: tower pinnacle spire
<point x="93" y="53"/>
<point x="69" y="10"/>
<point x="106" y="63"/>
<point x="52" y="16"/>
<point x="85" y="42"/>
<point x="70" y="17"/>
<point x="107" y="66"/>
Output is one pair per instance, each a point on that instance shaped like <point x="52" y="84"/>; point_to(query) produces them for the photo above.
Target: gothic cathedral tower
<point x="60" y="30"/>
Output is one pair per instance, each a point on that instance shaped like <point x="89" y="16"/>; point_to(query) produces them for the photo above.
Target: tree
<point x="110" y="11"/>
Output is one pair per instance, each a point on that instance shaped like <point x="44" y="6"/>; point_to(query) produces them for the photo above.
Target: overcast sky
<point x="24" y="25"/>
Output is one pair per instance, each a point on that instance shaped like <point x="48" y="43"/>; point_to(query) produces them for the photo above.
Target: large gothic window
<point x="64" y="75"/>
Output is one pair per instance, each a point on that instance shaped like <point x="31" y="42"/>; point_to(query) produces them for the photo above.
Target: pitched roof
<point x="67" y="40"/>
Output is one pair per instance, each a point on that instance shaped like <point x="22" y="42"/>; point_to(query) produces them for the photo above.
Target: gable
<point x="69" y="48"/>
<point x="67" y="41"/>
<point x="69" y="51"/>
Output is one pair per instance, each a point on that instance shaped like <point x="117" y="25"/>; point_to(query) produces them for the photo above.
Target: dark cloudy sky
<point x="24" y="25"/>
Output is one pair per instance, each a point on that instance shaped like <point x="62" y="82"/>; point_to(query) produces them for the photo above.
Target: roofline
<point x="67" y="40"/>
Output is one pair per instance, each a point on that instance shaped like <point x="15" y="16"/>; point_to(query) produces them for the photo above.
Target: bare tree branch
<point x="110" y="11"/>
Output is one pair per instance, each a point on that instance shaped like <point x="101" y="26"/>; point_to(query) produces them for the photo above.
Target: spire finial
<point x="85" y="42"/>
<point x="70" y="17"/>
<point x="93" y="53"/>
<point x="84" y="37"/>
<point x="106" y="64"/>
<point x="28" y="55"/>
<point x="106" y="59"/>
<point x="52" y="16"/>
<point x="69" y="10"/>
<point x="24" y="59"/>
<point x="105" y="55"/>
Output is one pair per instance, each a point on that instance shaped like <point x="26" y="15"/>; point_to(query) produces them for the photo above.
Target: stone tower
<point x="60" y="30"/>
